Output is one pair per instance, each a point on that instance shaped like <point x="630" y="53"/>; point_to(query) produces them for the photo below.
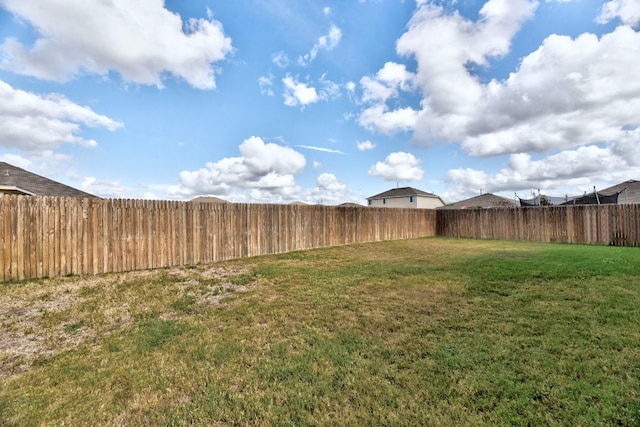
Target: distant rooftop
<point x="208" y="199"/>
<point x="402" y="192"/>
<point x="19" y="181"/>
<point x="486" y="200"/>
<point x="630" y="195"/>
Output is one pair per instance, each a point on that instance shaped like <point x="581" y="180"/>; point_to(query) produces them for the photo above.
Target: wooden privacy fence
<point x="51" y="237"/>
<point x="583" y="224"/>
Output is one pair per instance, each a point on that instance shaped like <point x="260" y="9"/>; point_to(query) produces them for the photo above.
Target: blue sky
<point x="275" y="101"/>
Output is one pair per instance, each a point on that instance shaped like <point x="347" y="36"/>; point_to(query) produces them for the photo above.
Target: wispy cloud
<point x="326" y="42"/>
<point x="325" y="150"/>
<point x="266" y="83"/>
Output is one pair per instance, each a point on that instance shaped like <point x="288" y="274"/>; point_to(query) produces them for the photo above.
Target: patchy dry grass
<point x="43" y="318"/>
<point x="418" y="332"/>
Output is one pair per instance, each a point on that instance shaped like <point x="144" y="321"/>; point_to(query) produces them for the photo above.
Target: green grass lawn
<point x="431" y="331"/>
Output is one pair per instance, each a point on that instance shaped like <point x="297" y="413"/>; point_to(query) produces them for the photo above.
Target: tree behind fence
<point x="51" y="237"/>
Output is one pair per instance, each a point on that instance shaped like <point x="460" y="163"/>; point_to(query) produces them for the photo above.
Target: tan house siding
<point x="429" y="202"/>
<point x="405" y="197"/>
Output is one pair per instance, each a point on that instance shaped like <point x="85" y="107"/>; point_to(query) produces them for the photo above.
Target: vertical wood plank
<point x="13" y="236"/>
<point x="141" y="240"/>
<point x="52" y="204"/>
<point x="116" y="237"/>
<point x="124" y="235"/>
<point x="162" y="233"/>
<point x="41" y="234"/>
<point x="3" y="241"/>
<point x="125" y="224"/>
<point x="64" y="240"/>
<point x="19" y="237"/>
<point x="146" y="215"/>
<point x="107" y="235"/>
<point x="75" y="237"/>
<point x="151" y="230"/>
<point x="35" y="206"/>
<point x="85" y="236"/>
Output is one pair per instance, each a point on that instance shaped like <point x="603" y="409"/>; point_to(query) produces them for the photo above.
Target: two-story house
<point x="405" y="197"/>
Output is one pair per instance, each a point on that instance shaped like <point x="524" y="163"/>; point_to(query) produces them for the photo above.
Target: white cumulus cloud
<point x="566" y="172"/>
<point x="567" y="113"/>
<point x="297" y="93"/>
<point x="379" y="118"/>
<point x="141" y="40"/>
<point x="39" y="122"/>
<point x="365" y="145"/>
<point x="443" y="45"/>
<point x="386" y="83"/>
<point x="329" y="190"/>
<point x="627" y="10"/>
<point x="569" y="92"/>
<point x="266" y="167"/>
<point x="399" y="167"/>
<point x="104" y="188"/>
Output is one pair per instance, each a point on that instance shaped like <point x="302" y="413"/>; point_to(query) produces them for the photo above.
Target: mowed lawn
<point x="434" y="331"/>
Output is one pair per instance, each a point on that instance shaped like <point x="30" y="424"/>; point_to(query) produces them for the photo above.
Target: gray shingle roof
<point x="402" y="192"/>
<point x="486" y="200"/>
<point x="15" y="179"/>
<point x="632" y="195"/>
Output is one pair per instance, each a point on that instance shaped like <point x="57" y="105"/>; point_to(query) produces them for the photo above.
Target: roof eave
<point x="14" y="188"/>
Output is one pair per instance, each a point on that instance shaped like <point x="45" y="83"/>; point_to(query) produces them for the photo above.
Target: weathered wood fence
<point x="51" y="237"/>
<point x="585" y="224"/>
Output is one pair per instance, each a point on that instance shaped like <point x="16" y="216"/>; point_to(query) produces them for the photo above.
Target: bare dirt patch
<point x="39" y="319"/>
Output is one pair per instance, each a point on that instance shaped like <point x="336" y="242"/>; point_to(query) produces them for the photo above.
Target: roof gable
<point x="17" y="180"/>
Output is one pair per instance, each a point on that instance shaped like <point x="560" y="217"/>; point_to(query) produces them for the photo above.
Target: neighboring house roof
<point x="486" y="200"/>
<point x="627" y="192"/>
<point x="15" y="180"/>
<point x="403" y="192"/>
<point x="631" y="195"/>
<point x="208" y="199"/>
<point x="351" y="205"/>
